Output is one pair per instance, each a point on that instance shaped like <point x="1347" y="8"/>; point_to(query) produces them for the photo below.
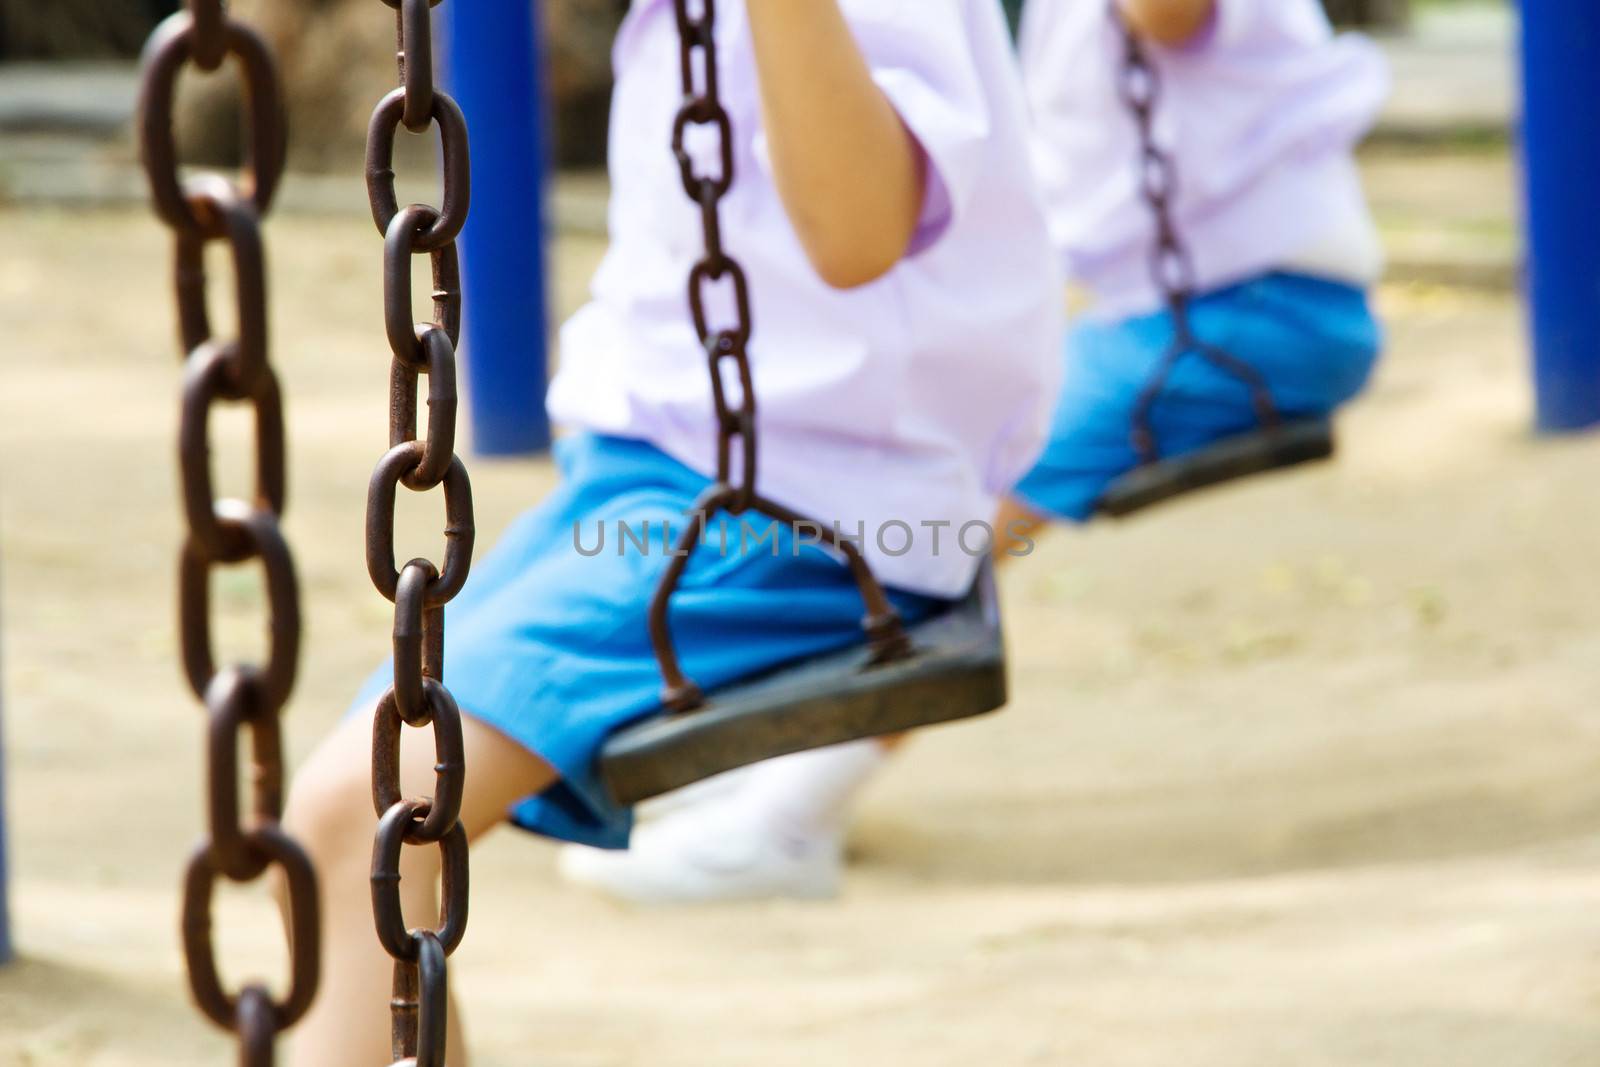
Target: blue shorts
<point x="1315" y="342"/>
<point x="549" y="644"/>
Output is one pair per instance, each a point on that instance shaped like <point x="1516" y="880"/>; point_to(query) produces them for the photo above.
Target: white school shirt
<point x="1261" y="114"/>
<point x="913" y="402"/>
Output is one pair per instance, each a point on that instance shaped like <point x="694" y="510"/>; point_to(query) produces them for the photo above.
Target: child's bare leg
<point x="1014" y="526"/>
<point x="330" y="812"/>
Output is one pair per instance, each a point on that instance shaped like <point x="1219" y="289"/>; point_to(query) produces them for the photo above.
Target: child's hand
<point x="1168" y="22"/>
<point x="851" y="176"/>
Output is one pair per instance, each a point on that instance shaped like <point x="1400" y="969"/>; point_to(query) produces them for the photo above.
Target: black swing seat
<point x="1289" y="444"/>
<point x="956" y="671"/>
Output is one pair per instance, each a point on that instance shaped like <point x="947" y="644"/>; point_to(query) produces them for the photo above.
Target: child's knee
<point x="329" y="809"/>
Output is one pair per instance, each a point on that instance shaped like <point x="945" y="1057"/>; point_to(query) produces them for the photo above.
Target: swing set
<point x="947" y="668"/>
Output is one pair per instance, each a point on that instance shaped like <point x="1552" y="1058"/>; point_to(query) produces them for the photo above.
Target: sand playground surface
<point x="1300" y="773"/>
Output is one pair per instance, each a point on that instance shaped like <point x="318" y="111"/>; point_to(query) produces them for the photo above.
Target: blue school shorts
<point x="548" y="641"/>
<point x="1314" y="342"/>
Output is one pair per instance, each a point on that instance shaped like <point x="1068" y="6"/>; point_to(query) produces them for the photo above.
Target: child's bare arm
<point x="851" y="176"/>
<point x="1169" y="22"/>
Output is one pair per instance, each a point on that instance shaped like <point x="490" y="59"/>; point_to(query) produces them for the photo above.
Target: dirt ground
<point x="1301" y="772"/>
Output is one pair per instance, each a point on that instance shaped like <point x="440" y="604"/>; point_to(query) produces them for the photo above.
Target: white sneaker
<point x="705" y="792"/>
<point x="707" y="855"/>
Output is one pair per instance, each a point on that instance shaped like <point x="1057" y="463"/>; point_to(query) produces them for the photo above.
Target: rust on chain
<point x="266" y="133"/>
<point x="728" y="361"/>
<point x="418" y="1002"/>
<point x="459" y="530"/>
<point x="438" y="450"/>
<point x="210" y="33"/>
<point x="679" y="693"/>
<point x="418" y="698"/>
<point x="224" y="216"/>
<point x="236" y="705"/>
<point x="1172" y="268"/>
<point x="457" y="169"/>
<point x="886" y="637"/>
<point x="300" y="885"/>
<point x="414" y="52"/>
<point x="256" y="1022"/>
<point x="209" y="378"/>
<point x="242" y="843"/>
<point x="399" y="321"/>
<point x="449" y="762"/>
<point x="394" y="829"/>
<point x="405" y="1010"/>
<point x="259" y="531"/>
<point x="415" y="627"/>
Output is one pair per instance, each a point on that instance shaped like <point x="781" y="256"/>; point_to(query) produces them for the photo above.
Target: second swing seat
<point x="1290" y="444"/>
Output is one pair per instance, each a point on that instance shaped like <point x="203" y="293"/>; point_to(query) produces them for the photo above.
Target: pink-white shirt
<point x="1261" y="113"/>
<point x="913" y="402"/>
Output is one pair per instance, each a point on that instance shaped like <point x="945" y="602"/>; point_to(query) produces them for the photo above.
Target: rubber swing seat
<point x="1290" y="444"/>
<point x="956" y="671"/>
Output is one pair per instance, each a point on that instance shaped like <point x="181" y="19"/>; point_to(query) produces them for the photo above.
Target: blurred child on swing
<point x="1261" y="107"/>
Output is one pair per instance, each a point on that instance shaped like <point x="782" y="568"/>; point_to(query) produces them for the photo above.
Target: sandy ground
<point x="1301" y="772"/>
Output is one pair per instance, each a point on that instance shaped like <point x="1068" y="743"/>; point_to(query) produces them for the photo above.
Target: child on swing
<point x="1260" y="107"/>
<point x="905" y="309"/>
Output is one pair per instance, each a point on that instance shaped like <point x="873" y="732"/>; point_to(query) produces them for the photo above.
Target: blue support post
<point x="1561" y="155"/>
<point x="495" y="63"/>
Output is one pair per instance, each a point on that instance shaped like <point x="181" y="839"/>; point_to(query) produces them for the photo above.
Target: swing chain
<point x="727" y="356"/>
<point x="420" y="589"/>
<point x="175" y="43"/>
<point x="726" y="347"/>
<point x="1171" y="263"/>
<point x="1172" y="266"/>
<point x="210" y="33"/>
<point x="241" y="845"/>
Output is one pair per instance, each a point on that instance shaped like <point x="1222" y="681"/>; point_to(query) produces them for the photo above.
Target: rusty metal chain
<point x="1172" y="266"/>
<point x="727" y="353"/>
<point x="420" y="589"/>
<point x="241" y="699"/>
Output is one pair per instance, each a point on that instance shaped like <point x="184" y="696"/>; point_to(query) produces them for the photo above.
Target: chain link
<point x="174" y="44"/>
<point x="1172" y="268"/>
<point x="381" y="132"/>
<point x="420" y="589"/>
<point x="210" y="33"/>
<point x="728" y="360"/>
<point x="239" y="699"/>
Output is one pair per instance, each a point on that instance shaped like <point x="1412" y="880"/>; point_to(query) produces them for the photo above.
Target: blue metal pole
<point x="495" y="62"/>
<point x="1561" y="154"/>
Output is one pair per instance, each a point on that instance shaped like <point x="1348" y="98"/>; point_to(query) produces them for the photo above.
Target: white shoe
<point x="705" y="855"/>
<point x="705" y="792"/>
